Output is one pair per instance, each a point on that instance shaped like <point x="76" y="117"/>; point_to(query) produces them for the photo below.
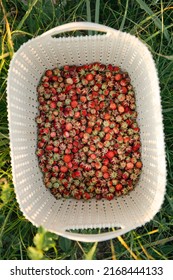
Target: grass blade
<point x="125" y="14"/>
<point x="97" y="11"/>
<point x="91" y="253"/>
<point x="21" y="23"/>
<point x="88" y="14"/>
<point x="9" y="38"/>
<point x="152" y="36"/>
<point x="148" y="233"/>
<point x="156" y="20"/>
<point x="149" y="257"/>
<point x="5" y="222"/>
<point x="112" y="250"/>
<point x="4" y="55"/>
<point x="122" y="241"/>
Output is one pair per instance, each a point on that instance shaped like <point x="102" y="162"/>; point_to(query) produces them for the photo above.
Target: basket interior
<point x="37" y="204"/>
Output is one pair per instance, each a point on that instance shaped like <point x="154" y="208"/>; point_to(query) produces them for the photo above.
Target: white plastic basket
<point x="37" y="204"/>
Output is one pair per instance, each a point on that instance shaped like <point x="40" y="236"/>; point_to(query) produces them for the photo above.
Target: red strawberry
<point x="110" y="154"/>
<point x="89" y="77"/>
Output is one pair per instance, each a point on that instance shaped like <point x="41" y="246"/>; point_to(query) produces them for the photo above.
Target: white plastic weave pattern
<point x="37" y="204"/>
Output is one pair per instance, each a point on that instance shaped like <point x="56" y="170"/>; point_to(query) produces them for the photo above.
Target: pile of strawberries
<point x="88" y="136"/>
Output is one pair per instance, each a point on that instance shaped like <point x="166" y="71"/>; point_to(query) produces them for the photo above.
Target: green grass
<point x="151" y="21"/>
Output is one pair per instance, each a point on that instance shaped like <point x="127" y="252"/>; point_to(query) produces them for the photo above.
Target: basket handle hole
<point x="77" y="29"/>
<point x="95" y="234"/>
<point x="78" y="33"/>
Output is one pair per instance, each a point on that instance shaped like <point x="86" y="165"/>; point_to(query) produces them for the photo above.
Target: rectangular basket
<point x="36" y="202"/>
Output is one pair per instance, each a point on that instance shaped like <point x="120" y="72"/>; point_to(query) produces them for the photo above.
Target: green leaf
<point x="65" y="244"/>
<point x="44" y="240"/>
<point x="34" y="253"/>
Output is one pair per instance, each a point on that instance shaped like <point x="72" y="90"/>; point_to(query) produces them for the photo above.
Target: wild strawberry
<point x="68" y="87"/>
<point x="55" y="168"/>
<point x="106" y="116"/>
<point x="67" y="158"/>
<point x="53" y="105"/>
<point x="76" y="174"/>
<point x="129" y="165"/>
<point x="120" y="139"/>
<point x="110" y="154"/>
<point x="118" y="118"/>
<point x="68" y="126"/>
<point x="118" y="77"/>
<point x="106" y="175"/>
<point x="66" y="68"/>
<point x="39" y="152"/>
<point x="125" y="175"/>
<point x="74" y="104"/>
<point x="49" y="147"/>
<point x="83" y="99"/>
<point x="77" y="115"/>
<point x="118" y="187"/>
<point x="48" y="73"/>
<point x="123" y="90"/>
<point x="109" y="196"/>
<point x="138" y="164"/>
<point x="98" y="165"/>
<point x="102" y="104"/>
<point x="136" y="147"/>
<point x="113" y="106"/>
<point x="111" y="188"/>
<point x="53" y="134"/>
<point x="89" y="77"/>
<point x="66" y="134"/>
<point x="121" y="97"/>
<point x="73" y="97"/>
<point x="63" y="169"/>
<point x="40" y="144"/>
<point x="86" y="196"/>
<point x="69" y="81"/>
<point x="123" y="82"/>
<point x="126" y="139"/>
<point x="54" y="78"/>
<point x="45" y="130"/>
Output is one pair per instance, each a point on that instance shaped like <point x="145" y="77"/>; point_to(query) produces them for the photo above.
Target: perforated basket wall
<point x="36" y="203"/>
